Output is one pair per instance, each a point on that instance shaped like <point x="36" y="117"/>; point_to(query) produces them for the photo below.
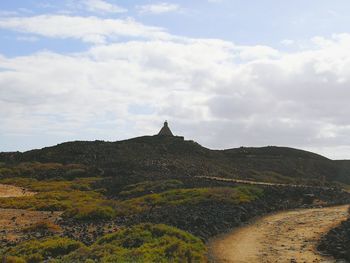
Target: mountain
<point x="162" y="157"/>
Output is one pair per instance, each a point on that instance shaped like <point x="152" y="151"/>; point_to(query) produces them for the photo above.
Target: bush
<point x="11" y="259"/>
<point x="74" y="173"/>
<point x="143" y="243"/>
<point x="37" y="250"/>
<point x="233" y="195"/>
<point x="149" y="187"/>
<point x="140" y="243"/>
<point x="90" y="212"/>
<point x="44" y="226"/>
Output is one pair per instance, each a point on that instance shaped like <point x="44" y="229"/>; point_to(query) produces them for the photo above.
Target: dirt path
<point x="283" y="237"/>
<point x="241" y="181"/>
<point x="13" y="191"/>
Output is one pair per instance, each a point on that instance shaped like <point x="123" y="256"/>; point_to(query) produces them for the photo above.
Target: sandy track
<point x="289" y="236"/>
<point x="13" y="191"/>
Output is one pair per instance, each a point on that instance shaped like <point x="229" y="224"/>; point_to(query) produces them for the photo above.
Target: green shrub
<point x="52" y="185"/>
<point x="234" y="195"/>
<point x="140" y="243"/>
<point x="143" y="243"/>
<point x="37" y="250"/>
<point x="90" y="212"/>
<point x="74" y="173"/>
<point x="11" y="259"/>
<point x="35" y="258"/>
<point x="148" y="187"/>
<point x="43" y="226"/>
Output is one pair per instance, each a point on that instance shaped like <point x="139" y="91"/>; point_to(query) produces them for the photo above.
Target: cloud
<point x="101" y="6"/>
<point x="88" y="29"/>
<point x="159" y="8"/>
<point x="214" y="91"/>
<point x="287" y="42"/>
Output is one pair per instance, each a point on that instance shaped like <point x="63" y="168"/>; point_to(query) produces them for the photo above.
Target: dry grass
<point x="14" y="191"/>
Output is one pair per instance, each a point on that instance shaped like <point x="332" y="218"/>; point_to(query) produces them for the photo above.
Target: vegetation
<point x="44" y="170"/>
<point x="43" y="226"/>
<point x="38" y="250"/>
<point x="103" y="180"/>
<point x="140" y="243"/>
<point x="149" y="187"/>
<point x="83" y="184"/>
<point x="76" y="197"/>
<point x="78" y="200"/>
<point x="234" y="195"/>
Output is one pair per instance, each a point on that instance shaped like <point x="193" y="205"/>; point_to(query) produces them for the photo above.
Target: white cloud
<point x="159" y="8"/>
<point x="88" y="29"/>
<point x="102" y="6"/>
<point x="213" y="91"/>
<point x="287" y="42"/>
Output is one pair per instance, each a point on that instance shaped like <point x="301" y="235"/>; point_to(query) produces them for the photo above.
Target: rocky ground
<point x="16" y="224"/>
<point x="337" y="242"/>
<point x="206" y="220"/>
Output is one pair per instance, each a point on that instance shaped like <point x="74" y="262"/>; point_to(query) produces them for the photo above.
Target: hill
<point x="145" y="199"/>
<point x="164" y="157"/>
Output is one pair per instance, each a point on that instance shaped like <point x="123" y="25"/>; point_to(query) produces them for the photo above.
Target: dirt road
<point x="289" y="236"/>
<point x="13" y="191"/>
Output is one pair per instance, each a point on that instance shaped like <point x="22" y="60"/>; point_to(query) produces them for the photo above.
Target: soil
<point x="290" y="236"/>
<point x="13" y="221"/>
<point x="14" y="191"/>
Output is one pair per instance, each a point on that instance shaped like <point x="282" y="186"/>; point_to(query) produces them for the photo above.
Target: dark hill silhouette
<point x="160" y="157"/>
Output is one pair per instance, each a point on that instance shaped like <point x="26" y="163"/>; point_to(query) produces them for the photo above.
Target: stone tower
<point x="165" y="131"/>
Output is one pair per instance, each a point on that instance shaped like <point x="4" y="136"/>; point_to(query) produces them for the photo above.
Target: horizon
<point x="224" y="73"/>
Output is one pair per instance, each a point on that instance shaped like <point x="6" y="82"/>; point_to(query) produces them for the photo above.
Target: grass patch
<point x="53" y="201"/>
<point x="140" y="243"/>
<point x="76" y="198"/>
<point x="84" y="184"/>
<point x="79" y="201"/>
<point x="90" y="212"/>
<point x="149" y="187"/>
<point x="234" y="195"/>
<point x="44" y="226"/>
<point x="45" y="170"/>
<point x="39" y="250"/>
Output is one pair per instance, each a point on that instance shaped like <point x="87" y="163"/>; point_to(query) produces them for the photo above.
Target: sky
<point x="225" y="73"/>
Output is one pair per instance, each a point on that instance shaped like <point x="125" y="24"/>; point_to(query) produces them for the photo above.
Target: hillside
<point x="145" y="199"/>
<point x="162" y="157"/>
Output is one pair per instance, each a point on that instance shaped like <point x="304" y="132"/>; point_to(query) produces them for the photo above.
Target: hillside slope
<point x="157" y="157"/>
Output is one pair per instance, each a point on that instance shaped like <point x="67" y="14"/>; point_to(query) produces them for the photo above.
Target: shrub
<point x="148" y="187"/>
<point x="11" y="259"/>
<point x="43" y="226"/>
<point x="37" y="250"/>
<point x="74" y="173"/>
<point x="140" y="243"/>
<point x="90" y="212"/>
<point x="234" y="195"/>
<point x="143" y="243"/>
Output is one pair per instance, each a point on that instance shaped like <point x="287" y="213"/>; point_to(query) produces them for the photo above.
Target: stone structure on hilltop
<point x="165" y="131"/>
